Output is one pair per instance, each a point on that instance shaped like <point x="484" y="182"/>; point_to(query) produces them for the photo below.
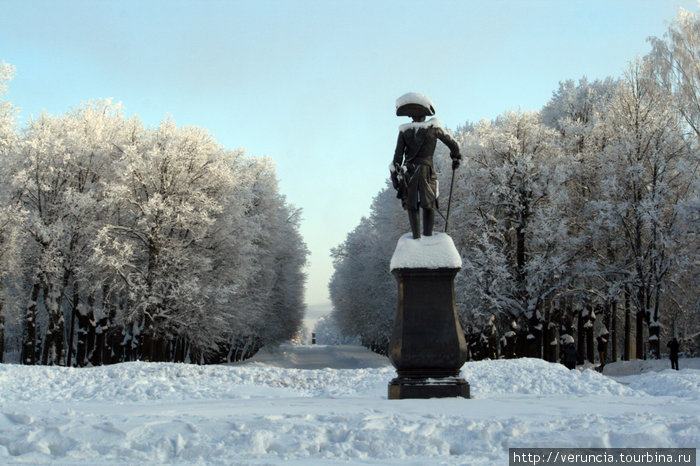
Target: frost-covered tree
<point x="286" y="311"/>
<point x="504" y="201"/>
<point x="648" y="170"/>
<point x="362" y="289"/>
<point x="675" y="61"/>
<point x="164" y="205"/>
<point x="597" y="273"/>
<point x="508" y="196"/>
<point x="328" y="333"/>
<point x="276" y="281"/>
<point x="8" y="142"/>
<point x="64" y="164"/>
<point x="682" y="296"/>
<point x="8" y="112"/>
<point x="206" y="249"/>
<point x="153" y="243"/>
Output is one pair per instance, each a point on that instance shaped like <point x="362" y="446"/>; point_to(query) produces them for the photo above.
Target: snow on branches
<point x="151" y="243"/>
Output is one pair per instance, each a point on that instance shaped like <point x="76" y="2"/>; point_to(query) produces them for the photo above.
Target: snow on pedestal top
<point x="427" y="252"/>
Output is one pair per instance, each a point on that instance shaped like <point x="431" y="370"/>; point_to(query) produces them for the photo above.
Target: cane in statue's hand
<point x="455" y="164"/>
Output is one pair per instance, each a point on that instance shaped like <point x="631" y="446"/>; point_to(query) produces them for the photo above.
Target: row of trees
<point x="566" y="218"/>
<point x="121" y="241"/>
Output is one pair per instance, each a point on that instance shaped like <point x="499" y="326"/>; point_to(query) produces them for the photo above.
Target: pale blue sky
<point x="313" y="83"/>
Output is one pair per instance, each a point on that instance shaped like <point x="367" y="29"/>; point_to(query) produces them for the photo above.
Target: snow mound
<point x="684" y="383"/>
<point x="530" y="376"/>
<point x="141" y="381"/>
<point x="429" y="252"/>
<point x="260" y="413"/>
<point x="640" y="366"/>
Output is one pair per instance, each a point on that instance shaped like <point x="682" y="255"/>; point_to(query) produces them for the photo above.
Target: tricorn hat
<point x="413" y="104"/>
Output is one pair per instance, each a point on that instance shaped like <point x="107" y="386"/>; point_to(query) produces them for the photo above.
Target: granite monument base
<point x="427" y="345"/>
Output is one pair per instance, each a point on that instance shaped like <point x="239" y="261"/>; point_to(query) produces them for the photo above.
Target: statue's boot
<point x="414" y="220"/>
<point x="428" y="221"/>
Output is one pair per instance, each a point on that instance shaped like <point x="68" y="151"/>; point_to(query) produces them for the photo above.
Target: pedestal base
<point x="427" y="345"/>
<point x="446" y="387"/>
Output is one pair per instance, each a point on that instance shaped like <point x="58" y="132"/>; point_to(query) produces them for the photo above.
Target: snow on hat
<point x="414" y="104"/>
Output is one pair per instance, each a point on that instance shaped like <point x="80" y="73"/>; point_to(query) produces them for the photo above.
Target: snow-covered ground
<point x="285" y="407"/>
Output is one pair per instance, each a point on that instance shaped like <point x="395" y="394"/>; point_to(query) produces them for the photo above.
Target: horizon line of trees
<point x="577" y="219"/>
<point x="121" y="242"/>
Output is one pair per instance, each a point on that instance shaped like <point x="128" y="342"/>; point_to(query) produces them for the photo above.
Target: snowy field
<point x="288" y="407"/>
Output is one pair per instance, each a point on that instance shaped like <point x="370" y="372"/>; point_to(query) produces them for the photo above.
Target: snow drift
<point x="257" y="413"/>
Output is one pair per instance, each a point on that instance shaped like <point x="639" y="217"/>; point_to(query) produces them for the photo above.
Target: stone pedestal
<point x="427" y="346"/>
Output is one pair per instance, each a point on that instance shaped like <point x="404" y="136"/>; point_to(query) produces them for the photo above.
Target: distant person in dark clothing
<point x="602" y="341"/>
<point x="673" y="346"/>
<point x="569" y="356"/>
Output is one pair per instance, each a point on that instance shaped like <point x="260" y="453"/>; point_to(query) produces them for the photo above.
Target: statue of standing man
<point x="412" y="171"/>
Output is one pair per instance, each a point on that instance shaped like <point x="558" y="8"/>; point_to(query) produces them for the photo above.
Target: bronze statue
<point x="412" y="171"/>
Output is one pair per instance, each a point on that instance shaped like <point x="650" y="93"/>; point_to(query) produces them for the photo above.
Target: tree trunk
<point x="567" y="319"/>
<point x="551" y="343"/>
<point x="551" y="333"/>
<point x="628" y="329"/>
<point x="639" y="335"/>
<point x="147" y="343"/>
<point x="91" y="331"/>
<point x="613" y="329"/>
<point x="158" y="347"/>
<point x="29" y="328"/>
<point x="73" y="318"/>
<point x="590" y="347"/>
<point x="179" y="355"/>
<point x="168" y="351"/>
<point x="126" y="345"/>
<point x="149" y="331"/>
<point x="117" y="338"/>
<point x="48" y="337"/>
<point x="112" y="331"/>
<point x="2" y="334"/>
<point x="2" y="324"/>
<point x="112" y="344"/>
<point x="547" y="331"/>
<point x="100" y="338"/>
<point x="85" y="329"/>
<point x="654" y="328"/>
<point x="81" y="351"/>
<point x="54" y="344"/>
<point x="37" y="350"/>
<point x="98" y="357"/>
<point x="135" y="347"/>
<point x="639" y="339"/>
<point x="581" y="337"/>
<point x="534" y="337"/>
<point x="195" y="355"/>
